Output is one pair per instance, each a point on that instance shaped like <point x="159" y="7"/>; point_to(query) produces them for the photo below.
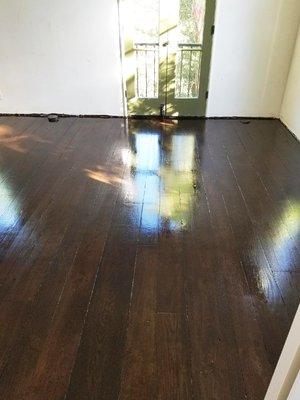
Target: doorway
<point x="166" y="56"/>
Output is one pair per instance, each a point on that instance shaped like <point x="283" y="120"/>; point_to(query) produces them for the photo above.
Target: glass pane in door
<point x="189" y="51"/>
<point x="147" y="65"/>
<point x="145" y="23"/>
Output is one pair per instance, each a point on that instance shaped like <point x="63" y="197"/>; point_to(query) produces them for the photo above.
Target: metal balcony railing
<point x="147" y="66"/>
<point x="187" y="71"/>
<point x="187" y="74"/>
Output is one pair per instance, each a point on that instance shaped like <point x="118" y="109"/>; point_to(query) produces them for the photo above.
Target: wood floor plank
<point x="36" y="286"/>
<point x="104" y="335"/>
<point x="99" y="360"/>
<point x="238" y="301"/>
<point x="30" y="183"/>
<point x="139" y="372"/>
<point x="260" y="276"/>
<point x="145" y="259"/>
<point x="26" y="237"/>
<point x="209" y="309"/>
<point x="173" y="364"/>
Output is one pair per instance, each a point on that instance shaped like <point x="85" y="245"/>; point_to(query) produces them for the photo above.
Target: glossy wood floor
<point x="146" y="261"/>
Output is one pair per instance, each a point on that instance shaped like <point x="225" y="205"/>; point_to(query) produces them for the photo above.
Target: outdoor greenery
<point x="191" y="17"/>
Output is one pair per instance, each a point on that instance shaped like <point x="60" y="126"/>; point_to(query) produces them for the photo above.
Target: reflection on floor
<point x="146" y="259"/>
<point x="161" y="178"/>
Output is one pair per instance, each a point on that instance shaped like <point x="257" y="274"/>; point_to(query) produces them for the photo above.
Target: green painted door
<point x="167" y="49"/>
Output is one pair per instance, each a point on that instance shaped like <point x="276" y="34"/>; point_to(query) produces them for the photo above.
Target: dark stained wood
<point x="138" y="371"/>
<point x="146" y="259"/>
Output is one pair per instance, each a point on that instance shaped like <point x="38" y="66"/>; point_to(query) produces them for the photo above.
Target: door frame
<point x="208" y="35"/>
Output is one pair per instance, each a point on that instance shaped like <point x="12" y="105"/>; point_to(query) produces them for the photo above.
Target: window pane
<point x="188" y="58"/>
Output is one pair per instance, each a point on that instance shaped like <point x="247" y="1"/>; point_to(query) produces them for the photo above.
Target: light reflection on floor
<point x="286" y="227"/>
<point x="161" y="176"/>
<point x="9" y="207"/>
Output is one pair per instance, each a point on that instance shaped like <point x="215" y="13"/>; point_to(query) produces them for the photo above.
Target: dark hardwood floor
<point x="146" y="260"/>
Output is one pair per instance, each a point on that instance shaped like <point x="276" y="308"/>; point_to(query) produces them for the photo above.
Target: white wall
<point x="290" y="111"/>
<point x="295" y="391"/>
<point x="60" y="56"/>
<point x="288" y="365"/>
<point x="252" y="50"/>
<point x="63" y="56"/>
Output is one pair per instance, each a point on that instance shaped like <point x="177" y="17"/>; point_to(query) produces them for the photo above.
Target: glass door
<point x="167" y="45"/>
